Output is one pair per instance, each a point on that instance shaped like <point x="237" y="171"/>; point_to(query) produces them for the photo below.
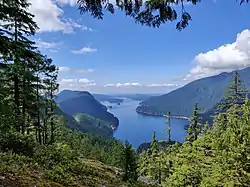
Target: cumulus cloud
<point x="225" y="58"/>
<point x="50" y="17"/>
<point x="84" y="50"/>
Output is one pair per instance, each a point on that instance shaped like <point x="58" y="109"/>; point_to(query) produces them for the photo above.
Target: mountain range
<point x="207" y="92"/>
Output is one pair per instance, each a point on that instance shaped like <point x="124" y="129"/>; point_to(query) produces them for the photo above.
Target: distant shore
<point x="161" y="115"/>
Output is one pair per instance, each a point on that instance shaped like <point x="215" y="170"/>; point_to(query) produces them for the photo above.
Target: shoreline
<point x="163" y="115"/>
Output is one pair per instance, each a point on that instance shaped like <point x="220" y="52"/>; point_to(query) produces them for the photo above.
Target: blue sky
<point x="116" y="55"/>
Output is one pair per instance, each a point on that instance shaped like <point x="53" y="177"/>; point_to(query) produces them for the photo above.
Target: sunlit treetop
<point x="151" y="13"/>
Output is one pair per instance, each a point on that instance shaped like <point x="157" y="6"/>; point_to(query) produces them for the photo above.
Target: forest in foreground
<point x="36" y="148"/>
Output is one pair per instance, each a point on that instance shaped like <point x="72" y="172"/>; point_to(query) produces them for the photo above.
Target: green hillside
<point x="86" y="123"/>
<point x="93" y="125"/>
<point x="90" y="115"/>
<point x="207" y="92"/>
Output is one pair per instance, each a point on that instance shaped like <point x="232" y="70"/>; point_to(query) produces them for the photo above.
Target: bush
<point x="52" y="155"/>
<point x="17" y="143"/>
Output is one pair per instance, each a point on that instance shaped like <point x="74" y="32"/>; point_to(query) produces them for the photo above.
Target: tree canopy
<point x="152" y="13"/>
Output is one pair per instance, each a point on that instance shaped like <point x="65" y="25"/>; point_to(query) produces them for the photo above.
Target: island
<point x="149" y="111"/>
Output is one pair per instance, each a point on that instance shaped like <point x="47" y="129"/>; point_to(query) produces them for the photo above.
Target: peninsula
<point x="144" y="110"/>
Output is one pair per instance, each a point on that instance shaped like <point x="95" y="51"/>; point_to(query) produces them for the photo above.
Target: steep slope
<point x="87" y="104"/>
<point x="206" y="92"/>
<point x="86" y="123"/>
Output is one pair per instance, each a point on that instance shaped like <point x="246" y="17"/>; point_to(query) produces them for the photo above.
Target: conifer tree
<point x="194" y="126"/>
<point x="143" y="163"/>
<point x="154" y="168"/>
<point x="169" y="128"/>
<point x="234" y="95"/>
<point x="17" y="25"/>
<point x="129" y="163"/>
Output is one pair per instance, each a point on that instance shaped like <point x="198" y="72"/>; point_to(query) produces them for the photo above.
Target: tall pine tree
<point x="234" y="95"/>
<point x="194" y="126"/>
<point x="129" y="163"/>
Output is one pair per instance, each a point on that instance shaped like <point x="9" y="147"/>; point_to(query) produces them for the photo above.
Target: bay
<point x="138" y="129"/>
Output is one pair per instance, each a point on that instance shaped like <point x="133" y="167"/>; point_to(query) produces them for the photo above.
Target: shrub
<point x="17" y="143"/>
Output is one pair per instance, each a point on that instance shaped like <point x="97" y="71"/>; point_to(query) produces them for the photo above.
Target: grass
<point x="16" y="170"/>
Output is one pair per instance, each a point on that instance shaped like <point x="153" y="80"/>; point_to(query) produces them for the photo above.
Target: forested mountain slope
<point x="207" y="92"/>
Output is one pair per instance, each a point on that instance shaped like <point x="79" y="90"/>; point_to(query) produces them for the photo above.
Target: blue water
<point x="138" y="129"/>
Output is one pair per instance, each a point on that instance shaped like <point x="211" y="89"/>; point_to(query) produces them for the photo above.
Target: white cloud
<point x="85" y="81"/>
<point x="128" y="84"/>
<point x="85" y="71"/>
<point x="225" y="58"/>
<point x="68" y="80"/>
<point x="63" y="69"/>
<point x="162" y="85"/>
<point x="49" y="17"/>
<point x="51" y="46"/>
<point x="70" y="2"/>
<point x="76" y="84"/>
<point x="74" y="71"/>
<point x="109" y="85"/>
<point x="84" y="50"/>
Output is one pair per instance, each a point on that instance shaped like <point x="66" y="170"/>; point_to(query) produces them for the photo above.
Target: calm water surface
<point x="138" y="129"/>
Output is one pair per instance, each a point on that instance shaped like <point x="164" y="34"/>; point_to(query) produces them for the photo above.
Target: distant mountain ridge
<point x="206" y="92"/>
<point x="69" y="94"/>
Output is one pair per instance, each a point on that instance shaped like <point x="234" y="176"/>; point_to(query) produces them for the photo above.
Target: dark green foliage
<point x="17" y="143"/>
<point x="218" y="155"/>
<point x="129" y="163"/>
<point x="31" y="123"/>
<point x="169" y="128"/>
<point x="235" y="94"/>
<point x="93" y="125"/>
<point x="152" y="13"/>
<point x="194" y="128"/>
<point x="163" y="144"/>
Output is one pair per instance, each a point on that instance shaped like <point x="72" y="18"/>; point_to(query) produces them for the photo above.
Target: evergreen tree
<point x="169" y="128"/>
<point x="154" y="148"/>
<point x="234" y="95"/>
<point x="129" y="163"/>
<point x="17" y="25"/>
<point x="194" y="126"/>
<point x="151" y="13"/>
<point x="154" y="167"/>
